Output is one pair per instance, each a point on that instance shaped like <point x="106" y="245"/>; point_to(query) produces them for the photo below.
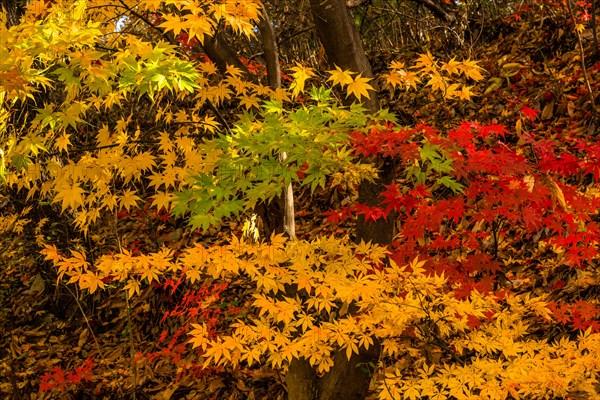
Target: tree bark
<point x="14" y="10"/>
<point x="219" y="52"/>
<point x="340" y="39"/>
<point x="347" y="379"/>
<point x="301" y="380"/>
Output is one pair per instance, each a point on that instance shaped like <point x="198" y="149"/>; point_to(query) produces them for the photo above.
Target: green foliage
<point x="250" y="167"/>
<point x="434" y="164"/>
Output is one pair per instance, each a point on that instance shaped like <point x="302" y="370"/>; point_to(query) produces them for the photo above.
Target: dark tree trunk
<point x="14" y="10"/>
<point x="219" y="52"/>
<point x="285" y="218"/>
<point x="347" y="379"/>
<point x="340" y="39"/>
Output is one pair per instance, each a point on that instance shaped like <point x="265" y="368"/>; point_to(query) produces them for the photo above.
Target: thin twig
<point x="582" y="56"/>
<point x="131" y="345"/>
<point x="96" y="342"/>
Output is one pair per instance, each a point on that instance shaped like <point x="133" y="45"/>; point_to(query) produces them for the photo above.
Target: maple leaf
<point x="587" y="310"/>
<point x="128" y="199"/>
<point x="451" y="91"/>
<point x="359" y="87"/>
<point x="172" y="22"/>
<point x="465" y="93"/>
<point x="394" y="78"/>
<point x="90" y="281"/>
<point x="198" y="26"/>
<point x="70" y="195"/>
<point x="396" y="65"/>
<point x="420" y="191"/>
<point x="472" y="70"/>
<point x="452" y="66"/>
<point x="437" y="82"/>
<point x="485" y="130"/>
<point x="250" y="101"/>
<point x="51" y="253"/>
<point x="63" y="142"/>
<point x="340" y="77"/>
<point x="530" y="113"/>
<point x="132" y="287"/>
<point x="392" y="197"/>
<point x="301" y="75"/>
<point x="370" y="213"/>
<point x="426" y="63"/>
<point x="234" y="71"/>
<point x="163" y="200"/>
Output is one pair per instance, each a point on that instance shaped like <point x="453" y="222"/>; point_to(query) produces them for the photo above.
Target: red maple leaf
<point x="497" y="129"/>
<point x="530" y="113"/>
<point x="472" y="321"/>
<point x="420" y="191"/>
<point x="393" y="197"/>
<point x="586" y="309"/>
<point x="370" y="213"/>
<point x="560" y="312"/>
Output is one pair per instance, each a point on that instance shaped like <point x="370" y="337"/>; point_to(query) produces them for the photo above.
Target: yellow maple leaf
<point x="301" y="74"/>
<point x="472" y="70"/>
<point x="90" y="281"/>
<point x="50" y="252"/>
<point x="198" y="26"/>
<point x="37" y="7"/>
<point x="359" y="87"/>
<point x="397" y="65"/>
<point x="128" y="199"/>
<point x="340" y="77"/>
<point x="426" y="62"/>
<point x="132" y="287"/>
<point x="233" y="70"/>
<point x="109" y="202"/>
<point x="465" y="93"/>
<point x="394" y="78"/>
<point x="249" y="101"/>
<point x="62" y="142"/>
<point x="451" y="90"/>
<point x="209" y="124"/>
<point x="162" y="200"/>
<point x="208" y="67"/>
<point x="70" y="195"/>
<point x="437" y="82"/>
<point x="103" y="136"/>
<point x="452" y="67"/>
<point x="199" y="336"/>
<point x="172" y="23"/>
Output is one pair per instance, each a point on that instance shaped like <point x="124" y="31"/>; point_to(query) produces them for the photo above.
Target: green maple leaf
<point x="203" y="221"/>
<point x="450" y="184"/>
<point x="428" y="152"/>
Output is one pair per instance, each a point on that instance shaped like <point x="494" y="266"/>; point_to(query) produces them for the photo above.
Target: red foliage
<point x="514" y="190"/>
<point x="61" y="380"/>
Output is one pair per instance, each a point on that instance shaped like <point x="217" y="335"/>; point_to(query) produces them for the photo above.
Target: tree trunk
<point x="340" y="39"/>
<point x="14" y="10"/>
<point x="219" y="52"/>
<point x="347" y="379"/>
